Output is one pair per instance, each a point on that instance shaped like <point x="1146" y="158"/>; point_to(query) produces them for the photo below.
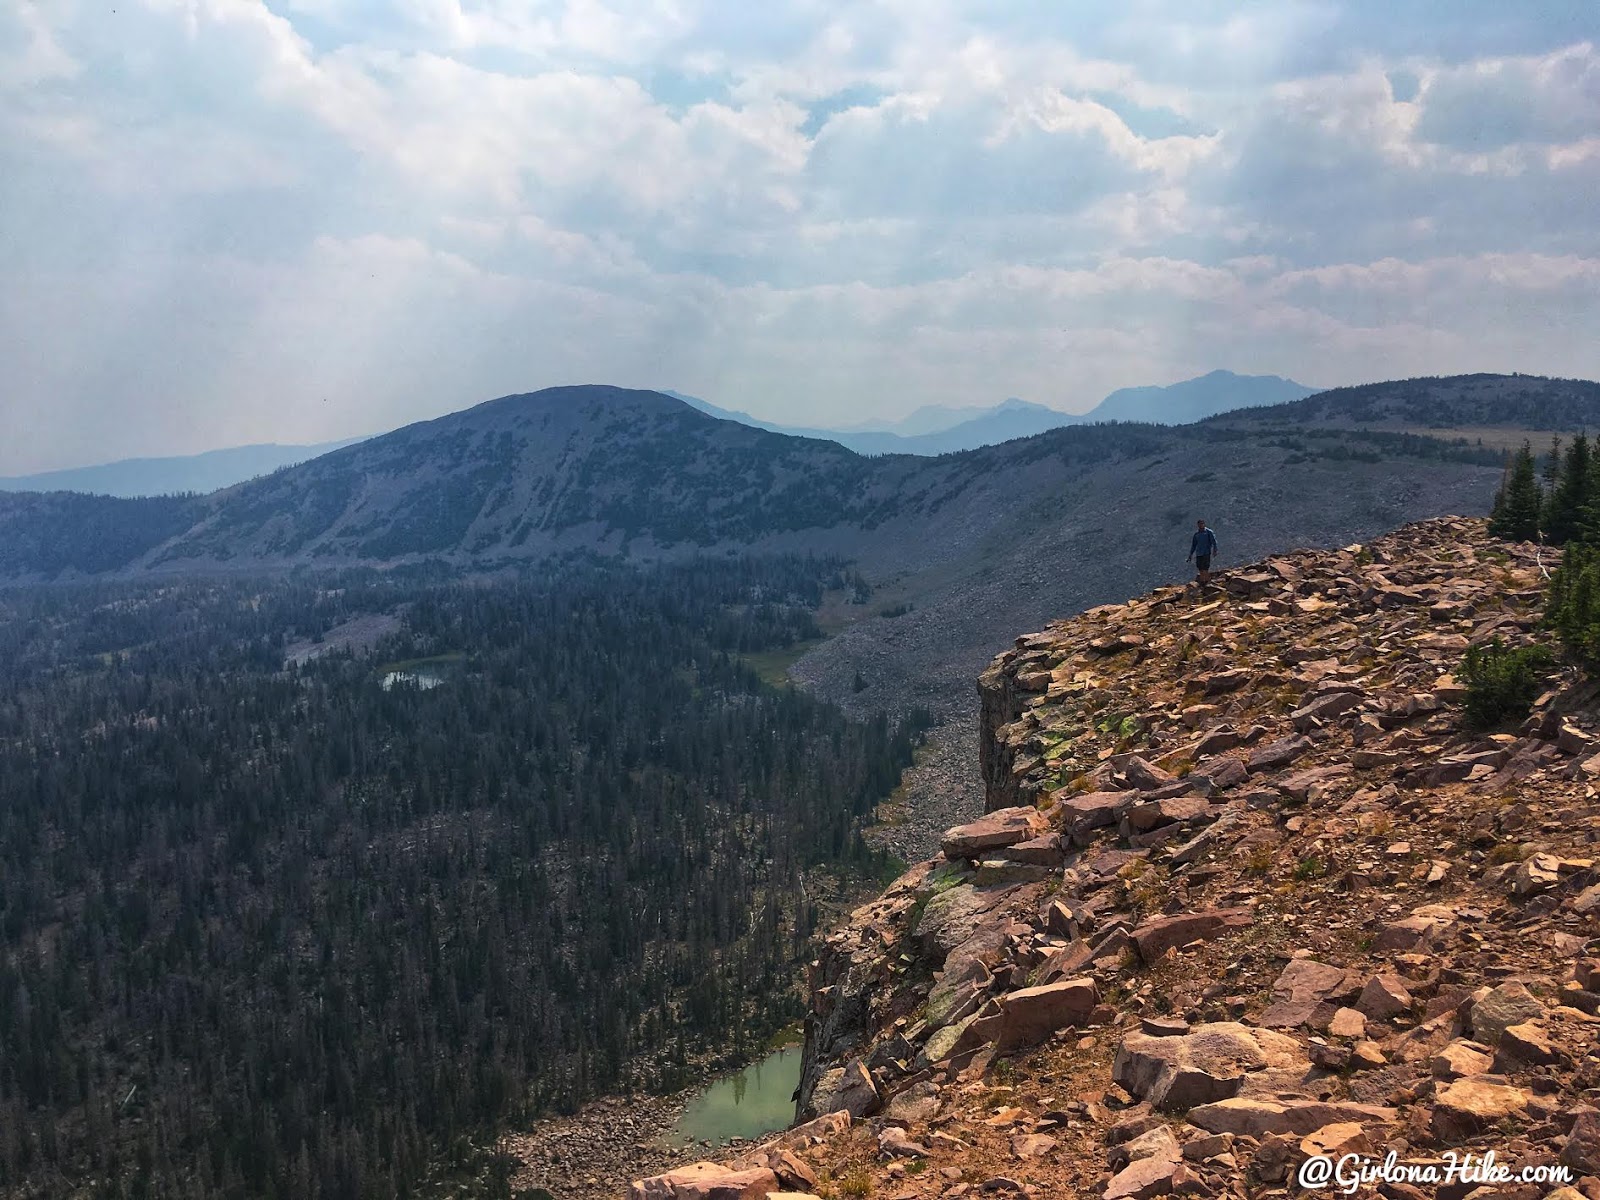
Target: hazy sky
<point x="222" y="221"/>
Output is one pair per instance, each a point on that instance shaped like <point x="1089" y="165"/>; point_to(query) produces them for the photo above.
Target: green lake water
<point x="747" y="1104"/>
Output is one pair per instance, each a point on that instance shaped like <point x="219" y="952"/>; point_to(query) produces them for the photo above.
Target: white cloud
<point x="220" y="213"/>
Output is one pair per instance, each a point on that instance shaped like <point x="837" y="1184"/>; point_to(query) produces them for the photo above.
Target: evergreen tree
<point x="1573" y="608"/>
<point x="1517" y="503"/>
<point x="1569" y="499"/>
<point x="1552" y="465"/>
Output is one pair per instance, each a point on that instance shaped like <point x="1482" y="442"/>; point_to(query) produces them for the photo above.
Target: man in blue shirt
<point x="1201" y="547"/>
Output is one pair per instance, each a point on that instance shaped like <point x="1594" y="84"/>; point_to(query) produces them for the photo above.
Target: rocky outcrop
<point x="1248" y="890"/>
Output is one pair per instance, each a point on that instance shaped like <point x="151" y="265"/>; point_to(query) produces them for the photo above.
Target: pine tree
<point x="1573" y="606"/>
<point x="1569" y="498"/>
<point x="1552" y="465"/>
<point x="1517" y="503"/>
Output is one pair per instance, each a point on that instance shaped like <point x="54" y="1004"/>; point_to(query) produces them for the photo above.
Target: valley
<point x="324" y="926"/>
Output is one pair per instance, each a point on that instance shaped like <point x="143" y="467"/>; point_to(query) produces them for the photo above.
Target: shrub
<point x="1502" y="683"/>
<point x="1259" y="860"/>
<point x="1310" y="867"/>
<point x="857" y="1184"/>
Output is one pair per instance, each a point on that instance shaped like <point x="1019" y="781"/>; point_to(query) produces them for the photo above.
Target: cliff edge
<point x="1249" y="891"/>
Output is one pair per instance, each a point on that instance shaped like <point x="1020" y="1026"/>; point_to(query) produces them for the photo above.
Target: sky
<point x="224" y="221"/>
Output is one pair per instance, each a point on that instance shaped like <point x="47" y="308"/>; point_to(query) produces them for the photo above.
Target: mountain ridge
<point x="596" y="468"/>
<point x="1533" y="403"/>
<point x="928" y="431"/>
<point x="1250" y="889"/>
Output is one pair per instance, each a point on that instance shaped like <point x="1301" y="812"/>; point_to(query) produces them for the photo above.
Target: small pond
<point x="746" y="1104"/>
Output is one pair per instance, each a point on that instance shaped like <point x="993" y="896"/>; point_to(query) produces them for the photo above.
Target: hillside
<point x="1249" y="890"/>
<point x="205" y="472"/>
<point x="1467" y="405"/>
<point x="620" y="472"/>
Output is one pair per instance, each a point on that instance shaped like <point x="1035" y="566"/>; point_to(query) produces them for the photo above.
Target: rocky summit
<point x="1249" y="889"/>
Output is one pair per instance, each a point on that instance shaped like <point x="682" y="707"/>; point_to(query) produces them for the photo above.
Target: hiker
<point x="1201" y="547"/>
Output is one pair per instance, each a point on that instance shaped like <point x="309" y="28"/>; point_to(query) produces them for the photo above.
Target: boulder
<point x="918" y="1104"/>
<point x="1208" y="1146"/>
<point x="1367" y="1054"/>
<point x="951" y="917"/>
<point x="1093" y="810"/>
<point x="1336" y="1140"/>
<point x="895" y="1142"/>
<point x="1472" y="1106"/>
<point x="705" y="1181"/>
<point x="1535" y="874"/>
<point x="1347" y="1023"/>
<point x="793" y="1172"/>
<point x="1529" y="1043"/>
<point x="1581" y="1151"/>
<point x="1277" y="755"/>
<point x="1154" y="938"/>
<point x="1217" y="741"/>
<point x="1036" y="852"/>
<point x="1385" y="996"/>
<point x="1412" y="931"/>
<point x="847" y="1089"/>
<point x="1508" y="1004"/>
<point x="1217" y="776"/>
<point x="1033" y="1014"/>
<point x="1314" y="784"/>
<point x="1460" y="1059"/>
<point x="1066" y="961"/>
<point x="1208" y="1063"/>
<point x="1142" y="1179"/>
<point x="1324" y="708"/>
<point x="1257" y="1118"/>
<point x="1303" y="985"/>
<point x="1141" y="818"/>
<point x="1145" y="775"/>
<point x="1003" y="827"/>
<point x="1156" y="1142"/>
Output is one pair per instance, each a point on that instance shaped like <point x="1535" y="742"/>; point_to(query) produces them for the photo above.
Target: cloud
<point x="225" y="220"/>
<point x="1492" y="104"/>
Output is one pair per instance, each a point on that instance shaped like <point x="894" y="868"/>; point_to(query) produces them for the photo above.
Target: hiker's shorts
<point x="1202" y="562"/>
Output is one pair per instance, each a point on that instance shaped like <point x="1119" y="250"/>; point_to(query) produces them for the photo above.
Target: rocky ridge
<point x="1248" y="890"/>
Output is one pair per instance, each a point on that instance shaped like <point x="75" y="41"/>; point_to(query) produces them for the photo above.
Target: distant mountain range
<point x="936" y="429"/>
<point x="173" y="476"/>
<point x="930" y="430"/>
<point x="618" y="472"/>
